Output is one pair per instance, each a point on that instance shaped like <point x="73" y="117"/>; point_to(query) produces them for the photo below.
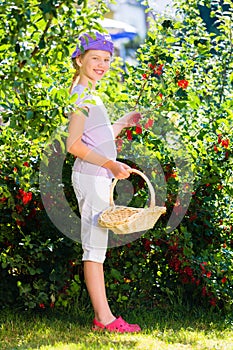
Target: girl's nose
<point x="101" y="63"/>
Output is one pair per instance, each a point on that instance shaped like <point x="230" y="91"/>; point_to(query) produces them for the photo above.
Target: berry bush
<point x="182" y="85"/>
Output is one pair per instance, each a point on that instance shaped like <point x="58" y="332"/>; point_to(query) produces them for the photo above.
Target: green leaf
<point x="116" y="274"/>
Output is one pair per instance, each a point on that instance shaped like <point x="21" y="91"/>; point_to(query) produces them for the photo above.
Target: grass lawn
<point x="169" y="329"/>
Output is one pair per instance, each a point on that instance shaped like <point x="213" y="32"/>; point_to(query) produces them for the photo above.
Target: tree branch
<point x="36" y="48"/>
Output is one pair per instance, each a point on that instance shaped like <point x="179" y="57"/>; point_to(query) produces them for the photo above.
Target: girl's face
<point x="93" y="66"/>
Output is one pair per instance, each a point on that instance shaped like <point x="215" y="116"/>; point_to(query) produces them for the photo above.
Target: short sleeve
<point x="84" y="98"/>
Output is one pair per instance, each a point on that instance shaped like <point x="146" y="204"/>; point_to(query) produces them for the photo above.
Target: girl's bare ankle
<point x="105" y="319"/>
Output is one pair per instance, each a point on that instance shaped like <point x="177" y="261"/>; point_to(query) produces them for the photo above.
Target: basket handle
<point x="151" y="189"/>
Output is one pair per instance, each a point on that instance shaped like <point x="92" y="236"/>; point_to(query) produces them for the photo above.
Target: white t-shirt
<point x="97" y="135"/>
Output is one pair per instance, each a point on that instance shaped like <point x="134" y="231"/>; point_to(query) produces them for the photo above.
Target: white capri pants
<point x="92" y="193"/>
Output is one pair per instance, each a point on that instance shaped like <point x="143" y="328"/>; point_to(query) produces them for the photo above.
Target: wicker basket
<point x="124" y="220"/>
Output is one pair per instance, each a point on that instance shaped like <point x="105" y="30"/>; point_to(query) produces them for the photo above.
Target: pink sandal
<point x="118" y="325"/>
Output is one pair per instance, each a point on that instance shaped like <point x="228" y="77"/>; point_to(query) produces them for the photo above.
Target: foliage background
<point x="184" y="77"/>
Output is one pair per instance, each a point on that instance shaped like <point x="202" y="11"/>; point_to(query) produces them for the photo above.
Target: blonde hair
<point x="75" y="76"/>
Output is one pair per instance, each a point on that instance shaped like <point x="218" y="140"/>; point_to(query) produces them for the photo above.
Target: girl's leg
<point x="94" y="278"/>
<point x="93" y="196"/>
<point x="104" y="319"/>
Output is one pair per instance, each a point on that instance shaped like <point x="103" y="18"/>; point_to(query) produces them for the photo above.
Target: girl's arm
<point x="76" y="147"/>
<point x="128" y="120"/>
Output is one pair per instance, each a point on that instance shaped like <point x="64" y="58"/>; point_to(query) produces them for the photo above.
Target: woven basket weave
<point x="124" y="220"/>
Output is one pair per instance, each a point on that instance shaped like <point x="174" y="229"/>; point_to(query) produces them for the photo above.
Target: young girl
<point x="92" y="140"/>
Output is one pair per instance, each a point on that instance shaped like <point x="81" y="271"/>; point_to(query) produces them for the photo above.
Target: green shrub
<point x="38" y="263"/>
<point x="184" y="77"/>
<point x="183" y="87"/>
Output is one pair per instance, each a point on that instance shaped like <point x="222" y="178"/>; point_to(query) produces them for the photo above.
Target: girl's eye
<point x="105" y="60"/>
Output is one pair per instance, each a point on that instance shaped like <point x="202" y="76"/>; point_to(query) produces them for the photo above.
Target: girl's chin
<point x="99" y="76"/>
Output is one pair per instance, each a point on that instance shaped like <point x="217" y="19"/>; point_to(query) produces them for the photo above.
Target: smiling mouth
<point x="99" y="71"/>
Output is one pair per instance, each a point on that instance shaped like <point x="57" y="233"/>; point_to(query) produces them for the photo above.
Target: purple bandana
<point x="94" y="41"/>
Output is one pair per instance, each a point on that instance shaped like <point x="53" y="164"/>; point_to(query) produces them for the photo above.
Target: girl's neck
<point x="87" y="83"/>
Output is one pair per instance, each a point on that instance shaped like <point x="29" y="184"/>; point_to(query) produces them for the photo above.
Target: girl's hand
<point x="118" y="169"/>
<point x="130" y="119"/>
